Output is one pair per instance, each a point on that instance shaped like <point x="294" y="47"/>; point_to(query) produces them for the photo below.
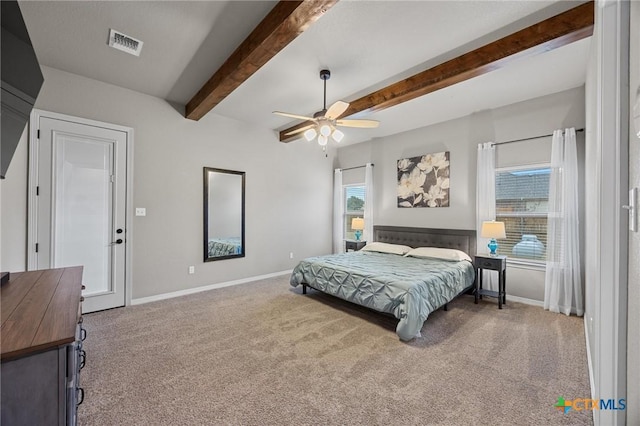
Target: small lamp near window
<point x="357" y="224"/>
<point x="492" y="229"/>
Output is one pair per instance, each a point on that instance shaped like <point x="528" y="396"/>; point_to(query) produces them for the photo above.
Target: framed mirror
<point x="223" y="214"/>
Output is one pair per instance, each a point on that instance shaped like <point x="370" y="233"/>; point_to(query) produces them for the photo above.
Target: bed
<point x="224" y="246"/>
<point x="407" y="287"/>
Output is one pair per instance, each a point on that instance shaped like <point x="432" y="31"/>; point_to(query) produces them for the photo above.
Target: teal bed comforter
<point x="224" y="247"/>
<point x="409" y="288"/>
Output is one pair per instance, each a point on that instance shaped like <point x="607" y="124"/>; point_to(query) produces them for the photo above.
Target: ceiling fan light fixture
<point x="325" y="130"/>
<point x="310" y="134"/>
<point x="324" y="122"/>
<point x="337" y="135"/>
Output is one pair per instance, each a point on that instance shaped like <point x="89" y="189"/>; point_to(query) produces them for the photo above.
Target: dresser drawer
<point x="497" y="263"/>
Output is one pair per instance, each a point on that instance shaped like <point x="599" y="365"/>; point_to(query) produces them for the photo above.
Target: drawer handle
<point x="487" y="264"/>
<point x="83" y="358"/>
<point x="80" y="396"/>
<point x="83" y="334"/>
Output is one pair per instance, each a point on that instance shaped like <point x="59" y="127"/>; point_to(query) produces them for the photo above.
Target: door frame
<point x="608" y="369"/>
<point x="32" y="202"/>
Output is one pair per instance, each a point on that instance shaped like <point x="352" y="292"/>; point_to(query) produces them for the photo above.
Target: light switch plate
<point x="141" y="211"/>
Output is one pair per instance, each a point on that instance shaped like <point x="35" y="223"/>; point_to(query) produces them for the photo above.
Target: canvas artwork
<point x="423" y="181"/>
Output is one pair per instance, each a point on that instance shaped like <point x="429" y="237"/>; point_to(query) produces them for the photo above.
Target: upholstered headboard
<point x="460" y="239"/>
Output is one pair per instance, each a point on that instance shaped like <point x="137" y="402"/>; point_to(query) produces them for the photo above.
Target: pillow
<point x="439" y="253"/>
<point x="387" y="248"/>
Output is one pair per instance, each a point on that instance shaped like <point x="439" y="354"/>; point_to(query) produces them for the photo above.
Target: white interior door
<point x="81" y="206"/>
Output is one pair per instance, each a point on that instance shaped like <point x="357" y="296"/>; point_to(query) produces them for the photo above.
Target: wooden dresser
<point x="41" y="349"/>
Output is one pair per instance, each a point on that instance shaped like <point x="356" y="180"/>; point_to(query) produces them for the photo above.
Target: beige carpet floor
<point x="262" y="353"/>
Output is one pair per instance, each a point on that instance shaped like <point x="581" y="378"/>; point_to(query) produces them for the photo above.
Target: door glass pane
<point x="83" y="216"/>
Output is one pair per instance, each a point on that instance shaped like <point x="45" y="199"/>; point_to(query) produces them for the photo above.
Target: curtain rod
<point x="528" y="139"/>
<point x="356" y="167"/>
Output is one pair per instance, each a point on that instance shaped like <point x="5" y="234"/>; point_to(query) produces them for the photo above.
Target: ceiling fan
<point x="325" y="122"/>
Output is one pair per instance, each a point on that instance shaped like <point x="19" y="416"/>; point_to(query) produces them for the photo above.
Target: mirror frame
<point x="206" y="173"/>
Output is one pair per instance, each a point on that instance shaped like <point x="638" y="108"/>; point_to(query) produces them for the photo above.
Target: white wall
<point x="13" y="207"/>
<point x="460" y="137"/>
<point x="169" y="154"/>
<point x="633" y="329"/>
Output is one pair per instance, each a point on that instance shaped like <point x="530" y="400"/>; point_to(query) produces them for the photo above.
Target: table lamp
<point x="492" y="229"/>
<point x="357" y="224"/>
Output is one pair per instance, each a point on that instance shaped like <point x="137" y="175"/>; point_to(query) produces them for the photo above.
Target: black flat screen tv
<point x="21" y="80"/>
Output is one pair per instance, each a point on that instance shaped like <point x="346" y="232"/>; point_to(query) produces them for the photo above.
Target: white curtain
<point x="368" y="203"/>
<point x="338" y="212"/>
<point x="486" y="204"/>
<point x="563" y="285"/>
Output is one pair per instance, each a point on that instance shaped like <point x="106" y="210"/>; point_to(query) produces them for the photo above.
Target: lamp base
<point x="493" y="246"/>
<point x="358" y="234"/>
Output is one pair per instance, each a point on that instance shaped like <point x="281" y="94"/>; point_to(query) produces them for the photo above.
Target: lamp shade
<point x="493" y="229"/>
<point x="357" y="223"/>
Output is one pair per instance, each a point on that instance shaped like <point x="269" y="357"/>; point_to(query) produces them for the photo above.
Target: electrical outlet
<point x="141" y="211"/>
<point x="291" y="255"/>
<point x="192" y="269"/>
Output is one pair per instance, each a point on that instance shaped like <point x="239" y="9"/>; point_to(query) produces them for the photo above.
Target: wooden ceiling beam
<point x="552" y="33"/>
<point x="286" y="21"/>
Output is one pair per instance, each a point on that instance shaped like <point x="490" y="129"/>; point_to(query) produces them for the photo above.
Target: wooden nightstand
<point x="492" y="263"/>
<point x="353" y="245"/>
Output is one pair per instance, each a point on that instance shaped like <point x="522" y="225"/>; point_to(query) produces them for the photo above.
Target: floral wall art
<point x="423" y="181"/>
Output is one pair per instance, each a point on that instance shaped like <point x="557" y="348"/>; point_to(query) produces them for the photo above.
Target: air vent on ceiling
<point x="123" y="42"/>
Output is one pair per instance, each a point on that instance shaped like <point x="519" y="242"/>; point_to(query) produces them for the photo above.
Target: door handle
<point x="118" y="241"/>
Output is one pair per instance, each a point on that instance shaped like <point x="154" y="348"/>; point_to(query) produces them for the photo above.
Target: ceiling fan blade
<point x="300" y="130"/>
<point x="365" y="124"/>
<point x="286" y="114"/>
<point x="336" y="110"/>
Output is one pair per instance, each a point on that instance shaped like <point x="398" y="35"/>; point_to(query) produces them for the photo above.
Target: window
<point x="353" y="207"/>
<point x="522" y="198"/>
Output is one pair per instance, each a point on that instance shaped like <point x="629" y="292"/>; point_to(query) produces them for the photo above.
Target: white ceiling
<point x="366" y="45"/>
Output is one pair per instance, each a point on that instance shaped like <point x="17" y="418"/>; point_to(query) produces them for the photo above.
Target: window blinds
<point x="522" y="197"/>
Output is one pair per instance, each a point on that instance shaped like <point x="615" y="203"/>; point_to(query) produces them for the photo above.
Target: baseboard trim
<point x="539" y="303"/>
<point x="185" y="292"/>
<point x="524" y="300"/>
